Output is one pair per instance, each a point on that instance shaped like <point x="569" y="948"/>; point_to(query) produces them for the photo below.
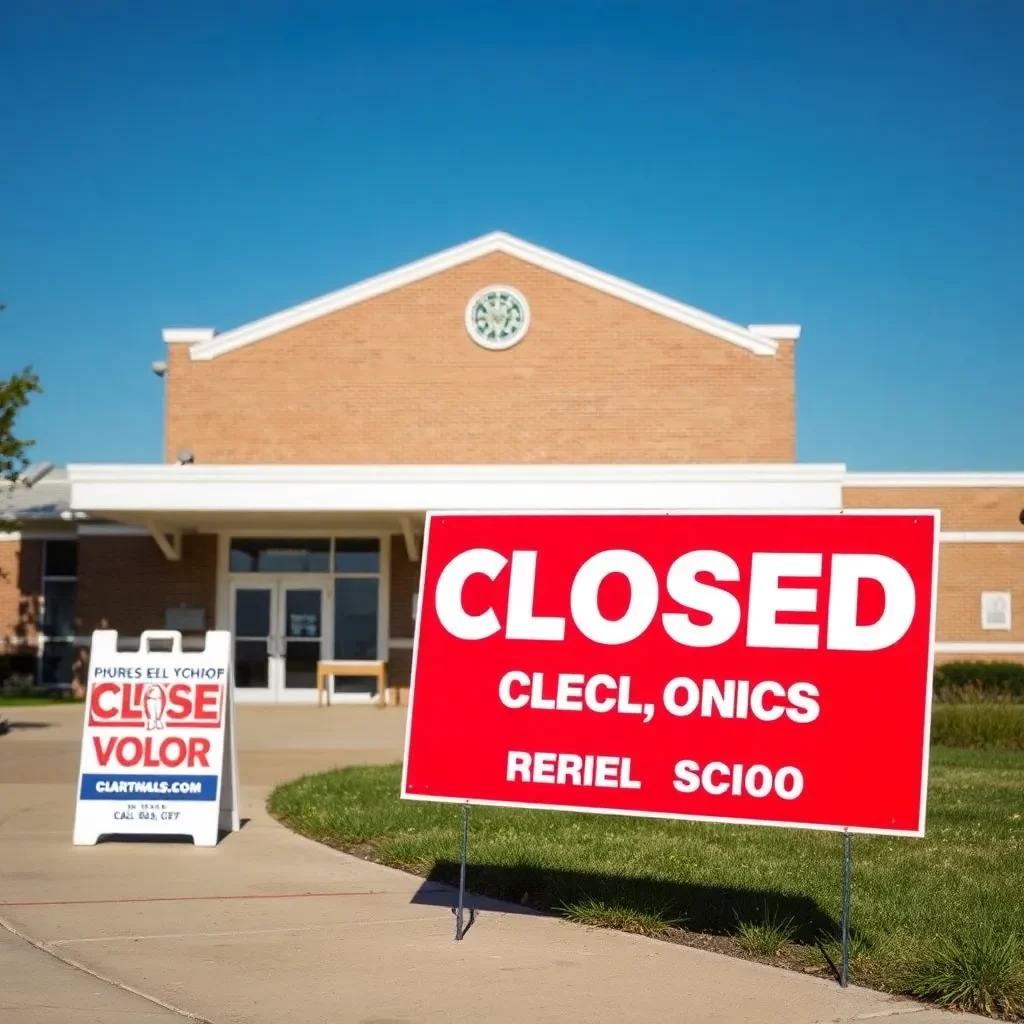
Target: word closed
<point x="771" y="669"/>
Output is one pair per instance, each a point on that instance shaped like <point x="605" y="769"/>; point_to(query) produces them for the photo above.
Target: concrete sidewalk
<point x="269" y="926"/>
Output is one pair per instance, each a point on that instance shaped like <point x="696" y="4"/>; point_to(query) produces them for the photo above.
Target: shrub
<point x="767" y="936"/>
<point x="600" y="914"/>
<point x="17" y="674"/>
<point x="959" y="682"/>
<point x="979" y="726"/>
<point x="861" y="956"/>
<point x="982" y="971"/>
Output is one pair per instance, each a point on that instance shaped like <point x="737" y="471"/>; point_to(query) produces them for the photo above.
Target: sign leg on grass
<point x="844" y="969"/>
<point x="460" y="931"/>
<point x="675" y="665"/>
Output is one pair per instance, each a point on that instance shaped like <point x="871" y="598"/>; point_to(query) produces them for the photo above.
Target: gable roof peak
<point x="495" y="241"/>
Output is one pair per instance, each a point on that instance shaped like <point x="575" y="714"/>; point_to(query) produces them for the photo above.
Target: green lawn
<point x="723" y="886"/>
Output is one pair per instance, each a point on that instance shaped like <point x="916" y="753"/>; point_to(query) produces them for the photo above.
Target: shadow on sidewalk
<point x="182" y="840"/>
<point x="708" y="909"/>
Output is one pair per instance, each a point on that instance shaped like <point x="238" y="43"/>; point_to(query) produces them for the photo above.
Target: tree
<point x="15" y="393"/>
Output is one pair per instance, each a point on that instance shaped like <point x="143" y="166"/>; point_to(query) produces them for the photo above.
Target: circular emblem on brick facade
<point x="497" y="317"/>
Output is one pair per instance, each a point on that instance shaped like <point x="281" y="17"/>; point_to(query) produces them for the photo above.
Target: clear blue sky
<point x="853" y="165"/>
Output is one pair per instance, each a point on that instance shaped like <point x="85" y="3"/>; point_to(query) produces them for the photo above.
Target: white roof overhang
<point x="193" y="495"/>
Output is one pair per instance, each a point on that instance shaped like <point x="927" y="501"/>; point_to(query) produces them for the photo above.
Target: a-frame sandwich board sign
<point x="158" y="742"/>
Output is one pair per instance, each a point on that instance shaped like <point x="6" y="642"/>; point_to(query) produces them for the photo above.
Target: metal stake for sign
<point x="844" y="967"/>
<point x="460" y="931"/>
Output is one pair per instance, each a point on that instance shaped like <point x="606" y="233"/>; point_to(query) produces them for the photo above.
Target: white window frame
<point x="986" y="597"/>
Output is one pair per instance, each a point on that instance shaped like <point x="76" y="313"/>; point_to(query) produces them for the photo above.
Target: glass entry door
<point x="279" y="637"/>
<point x="301" y="638"/>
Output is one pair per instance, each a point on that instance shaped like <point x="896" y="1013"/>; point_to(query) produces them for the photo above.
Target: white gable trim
<point x="187" y="335"/>
<point x="777" y="332"/>
<point x="497" y="241"/>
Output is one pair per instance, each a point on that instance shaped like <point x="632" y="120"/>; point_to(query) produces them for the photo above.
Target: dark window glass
<point x="251" y="664"/>
<point x="355" y="619"/>
<point x="59" y="607"/>
<point x="357" y="554"/>
<point x="280" y="554"/>
<point x="57" y="663"/>
<point x="300" y="658"/>
<point x="61" y="558"/>
<point x="302" y="613"/>
<point x="252" y="612"/>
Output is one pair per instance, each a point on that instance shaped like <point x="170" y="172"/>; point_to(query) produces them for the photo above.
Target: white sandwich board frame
<point x="158" y="741"/>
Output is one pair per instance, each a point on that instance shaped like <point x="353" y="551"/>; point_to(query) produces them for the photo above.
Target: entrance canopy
<point x="166" y="499"/>
<point x="194" y="494"/>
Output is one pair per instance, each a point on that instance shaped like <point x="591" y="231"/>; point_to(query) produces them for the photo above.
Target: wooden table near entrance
<point x="326" y="670"/>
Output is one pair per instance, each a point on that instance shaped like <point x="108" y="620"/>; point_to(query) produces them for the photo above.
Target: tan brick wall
<point x="21" y="571"/>
<point x="125" y="583"/>
<point x="405" y="581"/>
<point x="963" y="508"/>
<point x="396" y="379"/>
<point x="400" y="670"/>
<point x="966" y="569"/>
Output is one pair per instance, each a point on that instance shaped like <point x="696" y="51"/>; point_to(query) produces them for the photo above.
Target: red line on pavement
<point x="184" y="899"/>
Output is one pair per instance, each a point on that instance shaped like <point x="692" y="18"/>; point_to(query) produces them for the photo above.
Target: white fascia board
<point x="495" y="242"/>
<point x="188" y="335"/>
<point x="934" y="480"/>
<point x="980" y="647"/>
<point x="982" y="536"/>
<point x="776" y="332"/>
<point x="170" y="489"/>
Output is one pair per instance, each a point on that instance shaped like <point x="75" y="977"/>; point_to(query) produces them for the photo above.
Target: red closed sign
<point x="762" y="669"/>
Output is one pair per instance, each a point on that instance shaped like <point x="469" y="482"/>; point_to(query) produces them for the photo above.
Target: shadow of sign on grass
<point x="629" y="903"/>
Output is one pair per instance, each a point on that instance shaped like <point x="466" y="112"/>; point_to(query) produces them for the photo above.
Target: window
<point x="59" y="607"/>
<point x="357" y="554"/>
<point x="356" y="608"/>
<point x="57" y="635"/>
<point x="995" y="610"/>
<point x="280" y="554"/>
<point x="61" y="558"/>
<point x="355" y="618"/>
<point x="56" y="662"/>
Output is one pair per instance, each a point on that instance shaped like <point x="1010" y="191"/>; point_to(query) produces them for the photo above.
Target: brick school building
<point x="303" y="449"/>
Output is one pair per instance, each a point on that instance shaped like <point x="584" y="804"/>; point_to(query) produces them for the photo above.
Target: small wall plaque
<point x="185" y="620"/>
